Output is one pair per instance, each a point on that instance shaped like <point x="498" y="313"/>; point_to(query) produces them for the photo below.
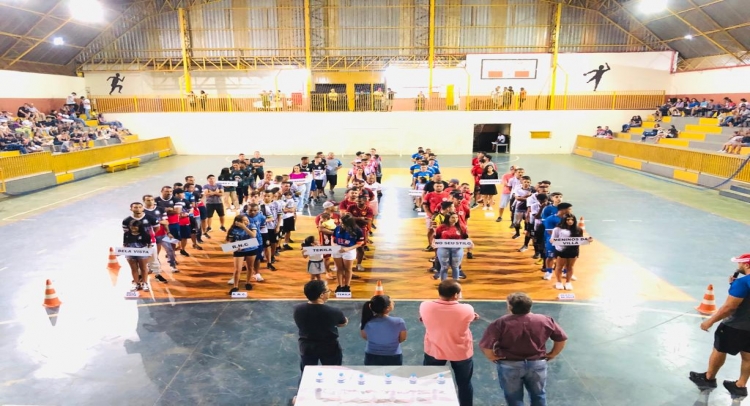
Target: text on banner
<point x="318" y="250"/>
<point x="227" y="183"/>
<point x="238" y="245"/>
<point x="134" y="252"/>
<point x="490" y="181"/>
<point x="570" y="241"/>
<point x="453" y="244"/>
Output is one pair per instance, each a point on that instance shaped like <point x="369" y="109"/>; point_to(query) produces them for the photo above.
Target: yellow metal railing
<point x="710" y="163"/>
<point x="29" y="164"/>
<point x="325" y="102"/>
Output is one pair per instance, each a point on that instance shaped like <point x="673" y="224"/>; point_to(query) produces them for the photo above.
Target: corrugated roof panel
<point x="729" y="13"/>
<point x="16" y="21"/>
<point x="6" y="42"/>
<point x="669" y="28"/>
<point x="723" y="39"/>
<point x="74" y="34"/>
<point x="699" y="20"/>
<point x="693" y="48"/>
<point x="742" y="35"/>
<point x="46" y="52"/>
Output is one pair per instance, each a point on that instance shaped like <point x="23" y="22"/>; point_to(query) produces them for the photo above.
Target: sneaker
<point x="207" y="236"/>
<point x="233" y="290"/>
<point x="271" y="267"/>
<point x="175" y="270"/>
<point x="735" y="390"/>
<point x="547" y="276"/>
<point x="461" y="275"/>
<point x="199" y="239"/>
<point x="537" y="255"/>
<point x="333" y="268"/>
<point x="429" y="248"/>
<point x="145" y="287"/>
<point x="222" y="228"/>
<point x="347" y="289"/>
<point x="516" y="236"/>
<point x="185" y="253"/>
<point x="366" y="248"/>
<point x="511" y="225"/>
<point x="338" y="289"/>
<point x="700" y="380"/>
<point x="258" y="278"/>
<point x="161" y="278"/>
<point x="523" y="249"/>
<point x="559" y="286"/>
<point x="197" y="247"/>
<point x="470" y="255"/>
<point x="499" y="219"/>
<point x="135" y="286"/>
<point x="360" y="267"/>
<point x="230" y="282"/>
<point x="207" y="230"/>
<point x="573" y="278"/>
<point x="568" y="286"/>
<point x="248" y="286"/>
<point x="485" y="208"/>
<point x="436" y="276"/>
<point x="287" y="247"/>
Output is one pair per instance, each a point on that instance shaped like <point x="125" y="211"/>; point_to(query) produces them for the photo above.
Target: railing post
<point x="135" y="103"/>
<point x="229" y="103"/>
<point x="614" y="100"/>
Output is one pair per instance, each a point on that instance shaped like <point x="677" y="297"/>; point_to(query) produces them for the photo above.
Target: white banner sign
<point x="570" y="241"/>
<point x="225" y="183"/>
<point x="134" y="252"/>
<point x="453" y="244"/>
<point x="490" y="181"/>
<point x="318" y="250"/>
<point x="238" y="245"/>
<point x="415" y="193"/>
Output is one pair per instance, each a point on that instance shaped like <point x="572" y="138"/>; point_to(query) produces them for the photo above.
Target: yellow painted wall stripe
<point x="637" y="130"/>
<point x="693" y="136"/>
<point x="675" y="142"/>
<point x="708" y="121"/>
<point x="65" y="177"/>
<point x="685" y="176"/>
<point x="628" y="163"/>
<point x="708" y="129"/>
<point x="583" y="152"/>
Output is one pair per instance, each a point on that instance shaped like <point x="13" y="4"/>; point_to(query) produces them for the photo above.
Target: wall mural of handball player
<point x="115" y="82"/>
<point x="598" y="73"/>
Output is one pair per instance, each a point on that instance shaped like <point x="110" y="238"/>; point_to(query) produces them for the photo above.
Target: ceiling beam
<point x="705" y="33"/>
<point x="695" y="7"/>
<point x="711" y="40"/>
<point x="54" y="17"/>
<point x="721" y="29"/>
<point x="8" y="54"/>
<point x="32" y="39"/>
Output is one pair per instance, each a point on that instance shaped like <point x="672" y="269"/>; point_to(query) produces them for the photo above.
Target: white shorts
<point x="428" y="222"/>
<point x="504" y="200"/>
<point x="348" y="255"/>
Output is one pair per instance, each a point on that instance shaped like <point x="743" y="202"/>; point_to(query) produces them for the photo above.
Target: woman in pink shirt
<point x="452" y="341"/>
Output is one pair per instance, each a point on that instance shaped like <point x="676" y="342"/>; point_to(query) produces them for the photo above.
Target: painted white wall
<point x="38" y="86"/>
<point x="630" y="71"/>
<point x="448" y="133"/>
<point x="714" y="81"/>
<point x="235" y="83"/>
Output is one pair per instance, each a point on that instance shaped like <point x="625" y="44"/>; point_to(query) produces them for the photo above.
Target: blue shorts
<point x="203" y="212"/>
<point x="550" y="252"/>
<point x="174" y="229"/>
<point x="185" y="232"/>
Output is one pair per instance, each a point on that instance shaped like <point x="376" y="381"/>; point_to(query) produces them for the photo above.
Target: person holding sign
<point x="137" y="237"/>
<point x="230" y="197"/>
<point x="488" y="192"/>
<point x="566" y="254"/>
<point x="314" y="262"/>
<point x="347" y="239"/>
<point x="451" y="229"/>
<point x="242" y="230"/>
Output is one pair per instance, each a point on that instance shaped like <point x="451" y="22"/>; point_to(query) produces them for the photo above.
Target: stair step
<point x="740" y="189"/>
<point x="734" y="195"/>
<point x="706" y="129"/>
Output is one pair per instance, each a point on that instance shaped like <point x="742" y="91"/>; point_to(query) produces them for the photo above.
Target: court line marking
<point x="55" y="203"/>
<point x="554" y="302"/>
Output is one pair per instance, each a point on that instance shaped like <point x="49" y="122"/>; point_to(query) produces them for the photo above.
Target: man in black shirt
<point x="257" y="162"/>
<point x="165" y="200"/>
<point x="318" y="168"/>
<point x="437" y="178"/>
<point x="318" y="326"/>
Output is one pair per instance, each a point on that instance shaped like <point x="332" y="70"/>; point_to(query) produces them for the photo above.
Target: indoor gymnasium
<point x="374" y="202"/>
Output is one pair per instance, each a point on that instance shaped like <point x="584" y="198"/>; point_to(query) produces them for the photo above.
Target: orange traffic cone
<point x="582" y="225"/>
<point x="379" y="289"/>
<point x="113" y="265"/>
<point x="708" y="304"/>
<point x="50" y="296"/>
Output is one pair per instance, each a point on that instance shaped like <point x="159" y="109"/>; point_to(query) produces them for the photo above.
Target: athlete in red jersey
<point x="362" y="214"/>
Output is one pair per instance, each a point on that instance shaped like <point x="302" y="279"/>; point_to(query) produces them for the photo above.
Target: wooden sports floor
<point x="397" y="260"/>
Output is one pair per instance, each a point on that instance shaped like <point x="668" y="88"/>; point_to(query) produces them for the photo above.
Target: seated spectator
<point x="599" y="132"/>
<point x="735" y="118"/>
<point x="670" y="133"/>
<point x="652" y="132"/>
<point x="714" y="109"/>
<point x="735" y="142"/>
<point x="635" y="122"/>
<point x="728" y="106"/>
<point x="657" y="115"/>
<point x="24" y="112"/>
<point x="664" y="108"/>
<point x="691" y="106"/>
<point x="676" y="109"/>
<point x="113" y="124"/>
<point x="700" y="109"/>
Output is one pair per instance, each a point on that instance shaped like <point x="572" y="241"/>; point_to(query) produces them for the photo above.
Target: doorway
<point x="486" y="134"/>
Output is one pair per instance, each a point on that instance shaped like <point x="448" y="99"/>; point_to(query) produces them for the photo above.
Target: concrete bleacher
<point x="695" y="133"/>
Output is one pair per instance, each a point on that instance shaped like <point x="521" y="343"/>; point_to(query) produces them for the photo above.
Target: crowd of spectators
<point x="63" y="130"/>
<point x="691" y="107"/>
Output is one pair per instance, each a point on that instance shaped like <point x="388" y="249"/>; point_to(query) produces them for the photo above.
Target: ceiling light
<point x="653" y="6"/>
<point x="688" y="36"/>
<point x="58" y="41"/>
<point x="87" y="10"/>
